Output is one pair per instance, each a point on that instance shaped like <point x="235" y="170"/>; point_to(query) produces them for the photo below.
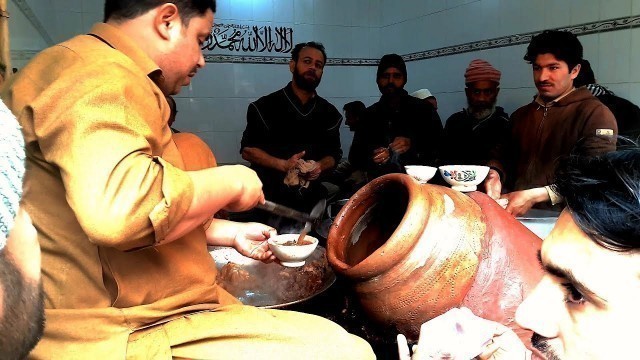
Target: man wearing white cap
<point x="427" y="96"/>
<point x="473" y="133"/>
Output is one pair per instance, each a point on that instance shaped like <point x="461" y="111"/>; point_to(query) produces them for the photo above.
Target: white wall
<point x="214" y="106"/>
<point x="613" y="55"/>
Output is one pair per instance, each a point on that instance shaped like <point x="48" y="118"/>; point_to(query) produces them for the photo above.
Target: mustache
<point x="542" y="344"/>
<point x="543" y="83"/>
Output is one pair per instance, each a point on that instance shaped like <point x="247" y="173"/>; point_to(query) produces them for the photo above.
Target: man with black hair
<point x="627" y="113"/>
<point x="122" y="222"/>
<point x="586" y="304"/>
<point x="546" y="129"/>
<point x="292" y="136"/>
<point x="401" y="129"/>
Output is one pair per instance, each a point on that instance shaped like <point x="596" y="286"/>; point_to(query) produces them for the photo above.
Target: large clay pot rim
<point x="399" y="243"/>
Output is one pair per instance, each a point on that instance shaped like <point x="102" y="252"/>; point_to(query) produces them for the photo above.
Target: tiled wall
<point x="214" y="106"/>
<point x="614" y="55"/>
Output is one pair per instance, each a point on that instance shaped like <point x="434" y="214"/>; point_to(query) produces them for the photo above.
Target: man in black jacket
<point x="401" y="129"/>
<point x="627" y="113"/>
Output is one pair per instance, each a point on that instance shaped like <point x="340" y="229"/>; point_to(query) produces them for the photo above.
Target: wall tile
<point x="263" y="10"/>
<point x="635" y="55"/>
<point x="69" y="5"/>
<point x="531" y="18"/>
<point x="225" y="145"/>
<point x="223" y="10"/>
<point x="303" y="11"/>
<point x="94" y="6"/>
<point x="435" y="6"/>
<point x="615" y="9"/>
<point x="614" y="59"/>
<point x="69" y="24"/>
<point x="635" y="7"/>
<point x="241" y="10"/>
<point x="283" y="11"/>
<point x="558" y="14"/>
<point x="584" y="11"/>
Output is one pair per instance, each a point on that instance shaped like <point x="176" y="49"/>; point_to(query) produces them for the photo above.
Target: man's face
<point x="391" y="81"/>
<point x="482" y="95"/>
<point x="184" y="57"/>
<point x="586" y="305"/>
<point x="307" y="71"/>
<point x="553" y="77"/>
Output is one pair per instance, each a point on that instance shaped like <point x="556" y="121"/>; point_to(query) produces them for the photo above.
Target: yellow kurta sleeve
<point x="107" y="139"/>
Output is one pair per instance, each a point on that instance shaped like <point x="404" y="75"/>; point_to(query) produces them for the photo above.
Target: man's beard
<point x="542" y="344"/>
<point x="305" y="84"/>
<point x="390" y="90"/>
<point x="481" y="111"/>
<point x="22" y="317"/>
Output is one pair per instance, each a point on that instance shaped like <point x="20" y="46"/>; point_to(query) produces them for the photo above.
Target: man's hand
<point x="459" y="334"/>
<point x="492" y="184"/>
<point x="314" y="173"/>
<point x="521" y="201"/>
<point x="292" y="162"/>
<point x="251" y="241"/>
<point x="400" y="144"/>
<point x="381" y="155"/>
<point x="505" y="345"/>
<point x="250" y="193"/>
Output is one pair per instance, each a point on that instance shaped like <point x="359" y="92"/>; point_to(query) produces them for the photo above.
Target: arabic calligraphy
<point x="245" y="38"/>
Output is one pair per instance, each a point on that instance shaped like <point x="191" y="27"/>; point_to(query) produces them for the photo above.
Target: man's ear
<point x="575" y="71"/>
<point x="292" y="66"/>
<point x="167" y="20"/>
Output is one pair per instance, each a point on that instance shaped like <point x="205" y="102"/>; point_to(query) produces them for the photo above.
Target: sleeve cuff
<point x="553" y="195"/>
<point x="177" y="194"/>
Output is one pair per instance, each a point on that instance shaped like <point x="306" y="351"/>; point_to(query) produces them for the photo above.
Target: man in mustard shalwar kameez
<point x="125" y="265"/>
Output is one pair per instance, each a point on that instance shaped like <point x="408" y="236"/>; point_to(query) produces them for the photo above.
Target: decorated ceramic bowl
<point x="421" y="173"/>
<point x="464" y="177"/>
<point x="289" y="251"/>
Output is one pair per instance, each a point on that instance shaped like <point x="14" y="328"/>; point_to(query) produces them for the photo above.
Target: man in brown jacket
<point x="125" y="266"/>
<point x="561" y="119"/>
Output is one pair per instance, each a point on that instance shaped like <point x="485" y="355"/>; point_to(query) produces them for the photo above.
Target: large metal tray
<point x="272" y="285"/>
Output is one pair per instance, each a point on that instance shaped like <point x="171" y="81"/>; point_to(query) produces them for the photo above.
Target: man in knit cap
<point x="400" y="129"/>
<point x="562" y="119"/>
<point x="473" y="133"/>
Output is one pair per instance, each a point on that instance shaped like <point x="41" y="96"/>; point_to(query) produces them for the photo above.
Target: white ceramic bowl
<point x="421" y="173"/>
<point x="464" y="177"/>
<point x="291" y="255"/>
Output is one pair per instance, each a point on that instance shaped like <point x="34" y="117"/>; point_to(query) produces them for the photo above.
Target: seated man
<point x="120" y="219"/>
<point x="292" y="136"/>
<point x="21" y="295"/>
<point x="583" y="306"/>
<point x="472" y="134"/>
<point x="401" y="130"/>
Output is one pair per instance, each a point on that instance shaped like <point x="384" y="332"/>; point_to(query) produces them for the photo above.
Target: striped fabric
<point x="11" y="170"/>
<point x="598" y="90"/>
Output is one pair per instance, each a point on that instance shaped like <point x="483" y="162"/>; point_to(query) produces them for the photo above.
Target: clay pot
<point x="415" y="251"/>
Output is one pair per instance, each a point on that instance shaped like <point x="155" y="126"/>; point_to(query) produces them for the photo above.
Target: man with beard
<point x="559" y="118"/>
<point x="473" y="133"/>
<point x="293" y="133"/>
<point x="401" y="129"/>
<point x="21" y="296"/>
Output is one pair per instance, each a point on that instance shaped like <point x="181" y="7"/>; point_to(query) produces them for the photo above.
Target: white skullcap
<point x="422" y="94"/>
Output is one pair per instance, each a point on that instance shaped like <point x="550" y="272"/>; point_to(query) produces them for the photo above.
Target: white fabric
<point x="422" y="94"/>
<point x="11" y="170"/>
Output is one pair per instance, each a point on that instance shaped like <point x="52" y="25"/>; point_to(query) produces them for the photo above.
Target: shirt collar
<point x="554" y="101"/>
<point x="118" y="40"/>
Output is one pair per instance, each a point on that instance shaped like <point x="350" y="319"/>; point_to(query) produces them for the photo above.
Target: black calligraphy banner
<point x="246" y="38"/>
